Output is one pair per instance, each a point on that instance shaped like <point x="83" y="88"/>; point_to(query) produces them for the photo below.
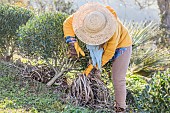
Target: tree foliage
<point x="11" y="18"/>
<point x="43" y="35"/>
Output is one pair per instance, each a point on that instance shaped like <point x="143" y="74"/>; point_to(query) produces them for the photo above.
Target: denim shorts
<point x="118" y="52"/>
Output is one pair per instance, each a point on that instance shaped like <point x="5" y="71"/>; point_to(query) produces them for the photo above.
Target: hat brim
<point x="91" y="38"/>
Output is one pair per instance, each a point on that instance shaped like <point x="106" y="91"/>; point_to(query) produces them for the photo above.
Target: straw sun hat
<point x="94" y="24"/>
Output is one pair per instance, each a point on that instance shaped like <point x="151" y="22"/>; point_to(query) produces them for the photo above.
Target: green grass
<point x="35" y="98"/>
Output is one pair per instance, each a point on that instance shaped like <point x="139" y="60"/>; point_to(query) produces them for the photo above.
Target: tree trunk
<point x="164" y="6"/>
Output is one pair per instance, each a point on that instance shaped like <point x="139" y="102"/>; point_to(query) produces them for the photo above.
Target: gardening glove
<point x="92" y="70"/>
<point x="78" y="49"/>
<point x="88" y="70"/>
<point x="74" y="48"/>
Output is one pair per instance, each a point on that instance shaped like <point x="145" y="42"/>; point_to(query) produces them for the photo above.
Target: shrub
<point x="155" y="98"/>
<point x="11" y="18"/>
<point x="135" y="83"/>
<point x="42" y="36"/>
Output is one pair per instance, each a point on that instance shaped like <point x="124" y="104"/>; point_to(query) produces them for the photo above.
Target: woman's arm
<point x="69" y="35"/>
<point x="68" y="28"/>
<point x="110" y="47"/>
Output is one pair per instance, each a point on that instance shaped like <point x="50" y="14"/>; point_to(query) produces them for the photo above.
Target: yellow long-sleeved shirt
<point x="120" y="38"/>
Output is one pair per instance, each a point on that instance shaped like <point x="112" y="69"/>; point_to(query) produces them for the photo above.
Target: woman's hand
<point x="92" y="70"/>
<point x="74" y="48"/>
<point x="78" y="49"/>
<point x="88" y="70"/>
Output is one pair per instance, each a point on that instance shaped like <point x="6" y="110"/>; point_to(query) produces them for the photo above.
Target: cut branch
<point x="55" y="78"/>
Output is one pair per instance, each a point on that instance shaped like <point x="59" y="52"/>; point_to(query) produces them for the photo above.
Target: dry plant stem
<point x="82" y="90"/>
<point x="55" y="77"/>
<point x="90" y="91"/>
<point x="66" y="66"/>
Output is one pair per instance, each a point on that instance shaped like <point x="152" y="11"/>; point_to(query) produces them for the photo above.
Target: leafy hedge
<point x="11" y="18"/>
<point x="42" y="35"/>
<point x="155" y="97"/>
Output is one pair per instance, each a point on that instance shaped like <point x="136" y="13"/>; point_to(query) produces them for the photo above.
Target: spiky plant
<point x="149" y="60"/>
<point x="146" y="56"/>
<point x="143" y="32"/>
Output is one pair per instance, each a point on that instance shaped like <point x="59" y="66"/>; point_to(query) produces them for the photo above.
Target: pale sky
<point x="128" y="10"/>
